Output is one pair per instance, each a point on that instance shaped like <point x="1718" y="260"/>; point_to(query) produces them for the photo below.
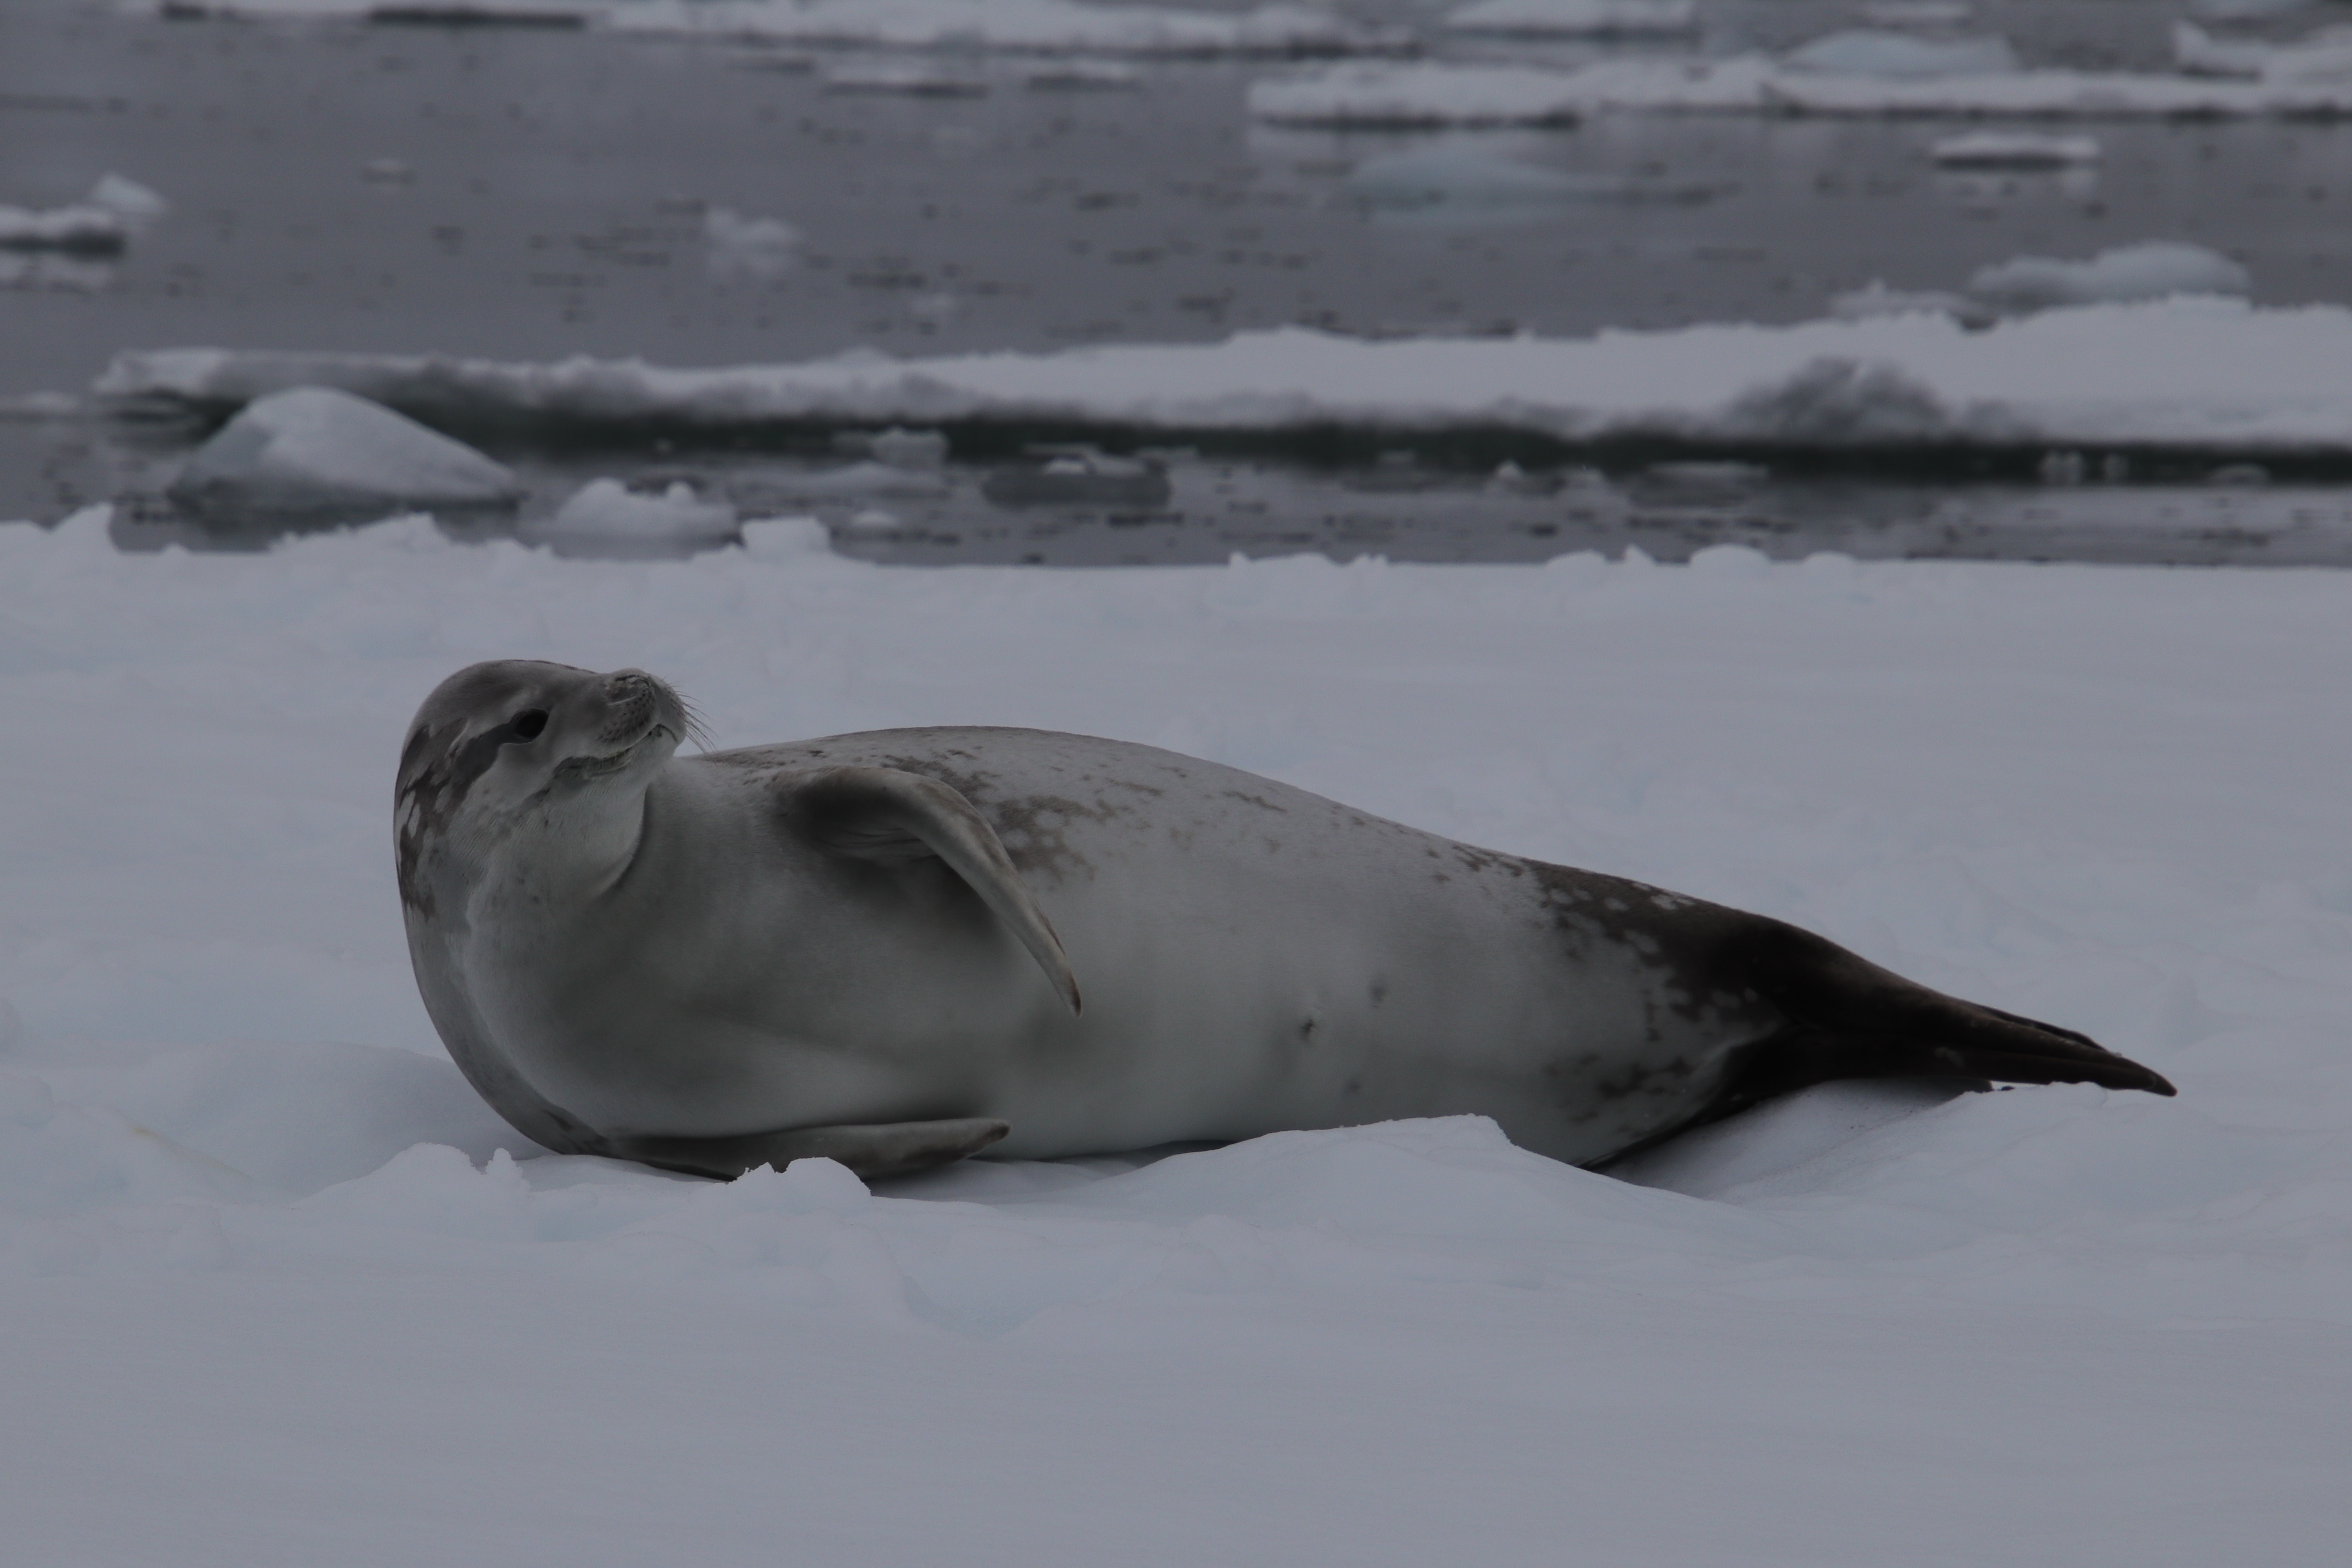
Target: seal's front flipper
<point x="891" y="1148"/>
<point x="1850" y="1019"/>
<point x="889" y="814"/>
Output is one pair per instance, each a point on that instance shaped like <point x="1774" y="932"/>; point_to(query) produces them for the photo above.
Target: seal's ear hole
<point x="528" y="724"/>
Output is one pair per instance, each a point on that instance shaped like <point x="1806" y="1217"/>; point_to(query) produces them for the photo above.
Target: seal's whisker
<point x="698" y="728"/>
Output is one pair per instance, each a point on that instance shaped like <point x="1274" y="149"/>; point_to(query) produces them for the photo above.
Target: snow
<point x="2199" y="375"/>
<point x="608" y="512"/>
<point x="279" y="1298"/>
<point x="1370" y="93"/>
<point x="1577" y="18"/>
<point x="318" y="449"/>
<point x="2147" y="271"/>
<point x="1017" y="25"/>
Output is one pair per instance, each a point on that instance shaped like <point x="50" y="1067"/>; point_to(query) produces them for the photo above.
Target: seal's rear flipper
<point x="1850" y="1019"/>
<point x="892" y="1148"/>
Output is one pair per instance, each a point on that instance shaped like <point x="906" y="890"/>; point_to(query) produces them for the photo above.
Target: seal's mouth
<point x="586" y="769"/>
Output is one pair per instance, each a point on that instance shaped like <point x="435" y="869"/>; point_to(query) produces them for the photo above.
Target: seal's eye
<point x="528" y="724"/>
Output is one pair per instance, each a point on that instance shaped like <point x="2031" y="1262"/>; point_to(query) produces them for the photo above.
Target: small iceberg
<point x="101" y="224"/>
<point x="612" y="518"/>
<point x="2152" y="270"/>
<point x="2022" y="150"/>
<point x="315" y="451"/>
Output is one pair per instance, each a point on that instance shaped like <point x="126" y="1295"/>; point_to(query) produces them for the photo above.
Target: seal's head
<point x="503" y="748"/>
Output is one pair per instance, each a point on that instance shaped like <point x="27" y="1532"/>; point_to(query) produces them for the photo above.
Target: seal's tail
<point x="1850" y="1019"/>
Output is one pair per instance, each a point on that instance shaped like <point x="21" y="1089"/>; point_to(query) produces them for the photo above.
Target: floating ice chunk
<point x="1055" y="27"/>
<point x="2149" y="270"/>
<point x="2321" y="57"/>
<point x="1873" y="52"/>
<point x="605" y="511"/>
<point x="129" y="200"/>
<point x="748" y="247"/>
<point x="316" y="449"/>
<point x="2013" y="150"/>
<point x="97" y="224"/>
<point x="81" y="229"/>
<point x="905" y="81"/>
<point x="1578" y="19"/>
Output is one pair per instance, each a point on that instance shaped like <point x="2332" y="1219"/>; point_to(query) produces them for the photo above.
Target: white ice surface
<point x="320" y="448"/>
<point x="270" y="1296"/>
<point x="2202" y="373"/>
<point x="1362" y="93"/>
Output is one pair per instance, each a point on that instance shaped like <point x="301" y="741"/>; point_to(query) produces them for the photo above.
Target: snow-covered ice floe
<point x="2013" y="150"/>
<point x="1577" y="18"/>
<point x="2324" y="55"/>
<point x="2147" y="271"/>
<point x="1017" y="25"/>
<point x="2198" y="374"/>
<point x="1370" y="93"/>
<point x="272" y="1271"/>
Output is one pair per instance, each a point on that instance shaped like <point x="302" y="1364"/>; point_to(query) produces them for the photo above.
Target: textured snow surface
<point x="2191" y="373"/>
<point x="276" y="1289"/>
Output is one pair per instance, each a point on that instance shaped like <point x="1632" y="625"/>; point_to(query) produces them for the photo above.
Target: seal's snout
<point x="633" y="705"/>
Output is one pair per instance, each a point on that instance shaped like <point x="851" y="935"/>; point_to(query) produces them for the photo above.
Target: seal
<point x="872" y="947"/>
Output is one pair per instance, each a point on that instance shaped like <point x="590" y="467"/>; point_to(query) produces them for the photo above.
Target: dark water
<point x="526" y="194"/>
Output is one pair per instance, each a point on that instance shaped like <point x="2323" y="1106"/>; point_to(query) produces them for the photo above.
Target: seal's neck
<point x="573" y="849"/>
